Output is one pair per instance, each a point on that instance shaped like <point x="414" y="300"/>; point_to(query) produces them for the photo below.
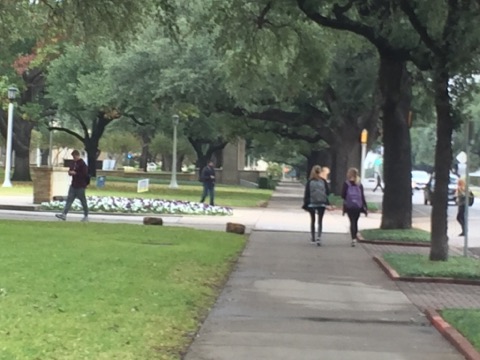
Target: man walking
<point x="379" y="182"/>
<point x="207" y="176"/>
<point x="79" y="173"/>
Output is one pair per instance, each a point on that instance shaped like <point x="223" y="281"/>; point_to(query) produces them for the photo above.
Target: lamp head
<point x="364" y="136"/>
<point x="12" y="93"/>
<point x="175" y="119"/>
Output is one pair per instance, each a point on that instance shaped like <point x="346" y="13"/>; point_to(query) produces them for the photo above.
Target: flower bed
<point x="122" y="205"/>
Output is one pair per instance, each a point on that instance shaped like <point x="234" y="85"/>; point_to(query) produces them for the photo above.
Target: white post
<point x="50" y="150"/>
<point x="173" y="181"/>
<point x="8" y="160"/>
<point x="467" y="190"/>
<point x="39" y="157"/>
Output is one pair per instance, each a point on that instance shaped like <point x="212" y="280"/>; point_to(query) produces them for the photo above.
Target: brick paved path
<point x="430" y="295"/>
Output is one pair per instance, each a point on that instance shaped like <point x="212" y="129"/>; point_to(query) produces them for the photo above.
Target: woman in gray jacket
<point x="315" y="201"/>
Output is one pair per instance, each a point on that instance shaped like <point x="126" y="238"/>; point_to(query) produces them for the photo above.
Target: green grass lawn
<point x="17" y="189"/>
<point x="404" y="235"/>
<point x="458" y="267"/>
<point x="467" y="322"/>
<point x="232" y="196"/>
<point x="107" y="291"/>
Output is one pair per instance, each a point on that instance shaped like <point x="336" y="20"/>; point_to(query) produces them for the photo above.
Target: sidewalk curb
<point x="452" y="335"/>
<point x="396" y="243"/>
<point x="33" y="207"/>
<point x="393" y="274"/>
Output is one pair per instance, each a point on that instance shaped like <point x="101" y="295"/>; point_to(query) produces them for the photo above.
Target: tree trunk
<point x="91" y="147"/>
<point x="443" y="160"/>
<point x="21" y="145"/>
<point x="45" y="153"/>
<point x="395" y="89"/>
<point x="345" y="154"/>
<point x="317" y="157"/>
<point x="22" y="168"/>
<point x="204" y="156"/>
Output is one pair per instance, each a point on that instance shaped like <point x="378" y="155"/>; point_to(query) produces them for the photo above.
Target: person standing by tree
<point x="354" y="201"/>
<point x="207" y="177"/>
<point x="461" y="201"/>
<point x="315" y="201"/>
<point x="79" y="173"/>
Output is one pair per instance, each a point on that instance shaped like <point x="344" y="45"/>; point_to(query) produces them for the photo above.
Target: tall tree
<point x="79" y="88"/>
<point x="38" y="26"/>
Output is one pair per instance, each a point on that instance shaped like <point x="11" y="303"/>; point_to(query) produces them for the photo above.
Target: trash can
<point x="100" y="181"/>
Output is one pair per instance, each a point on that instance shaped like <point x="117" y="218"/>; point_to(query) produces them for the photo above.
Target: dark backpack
<point x="87" y="179"/>
<point x="353" y="199"/>
<point x="471" y="198"/>
<point x="318" y="193"/>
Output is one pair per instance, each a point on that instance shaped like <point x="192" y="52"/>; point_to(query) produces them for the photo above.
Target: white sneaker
<point x="61" y="216"/>
<point x="354" y="243"/>
<point x="319" y="242"/>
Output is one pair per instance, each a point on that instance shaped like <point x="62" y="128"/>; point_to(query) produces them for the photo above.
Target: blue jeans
<point x="208" y="189"/>
<point x="76" y="194"/>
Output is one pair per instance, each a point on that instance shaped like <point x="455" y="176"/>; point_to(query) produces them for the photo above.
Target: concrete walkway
<point x="288" y="299"/>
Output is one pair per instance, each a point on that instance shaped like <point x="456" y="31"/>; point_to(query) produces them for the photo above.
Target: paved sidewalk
<point x="288" y="299"/>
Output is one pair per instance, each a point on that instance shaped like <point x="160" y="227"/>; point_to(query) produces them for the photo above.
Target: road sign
<point x="462" y="157"/>
<point x="142" y="185"/>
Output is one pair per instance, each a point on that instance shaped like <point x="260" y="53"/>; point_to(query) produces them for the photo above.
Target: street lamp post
<point x="363" y="141"/>
<point x="12" y="92"/>
<point x="173" y="181"/>
<point x="50" y="145"/>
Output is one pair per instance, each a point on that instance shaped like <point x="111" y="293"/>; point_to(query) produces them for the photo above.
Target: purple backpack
<point x="353" y="200"/>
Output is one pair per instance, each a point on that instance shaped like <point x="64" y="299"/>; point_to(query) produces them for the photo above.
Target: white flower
<point x="138" y="205"/>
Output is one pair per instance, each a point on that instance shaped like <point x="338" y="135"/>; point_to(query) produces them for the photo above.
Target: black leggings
<point x="320" y="211"/>
<point x="353" y="215"/>
<point x="461" y="216"/>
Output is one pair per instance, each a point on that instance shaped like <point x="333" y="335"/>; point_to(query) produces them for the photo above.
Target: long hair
<point x="315" y="172"/>
<point x="461" y="185"/>
<point x="352" y="175"/>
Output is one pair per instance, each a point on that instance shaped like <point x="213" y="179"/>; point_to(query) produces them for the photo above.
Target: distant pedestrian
<point x="461" y="199"/>
<point x="315" y="201"/>
<point x="379" y="182"/>
<point x="79" y="172"/>
<point x="207" y="177"/>
<point x="354" y="201"/>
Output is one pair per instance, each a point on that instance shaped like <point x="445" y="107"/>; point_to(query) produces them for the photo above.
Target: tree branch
<point x="261" y="20"/>
<point x="81" y="122"/>
<point x="339" y="9"/>
<point x="422" y="31"/>
<point x="135" y="120"/>
<point x="343" y="22"/>
<point x="68" y="131"/>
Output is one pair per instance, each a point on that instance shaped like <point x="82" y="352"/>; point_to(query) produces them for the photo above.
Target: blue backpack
<point x="353" y="200"/>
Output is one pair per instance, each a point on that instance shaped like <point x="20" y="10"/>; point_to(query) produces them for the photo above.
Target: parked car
<point x="151" y="166"/>
<point x="419" y="179"/>
<point x="430" y="187"/>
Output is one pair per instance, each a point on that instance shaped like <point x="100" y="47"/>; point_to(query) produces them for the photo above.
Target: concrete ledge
<point x="32" y="207"/>
<point x="452" y="335"/>
<point x="392" y="274"/>
<point x="396" y="243"/>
